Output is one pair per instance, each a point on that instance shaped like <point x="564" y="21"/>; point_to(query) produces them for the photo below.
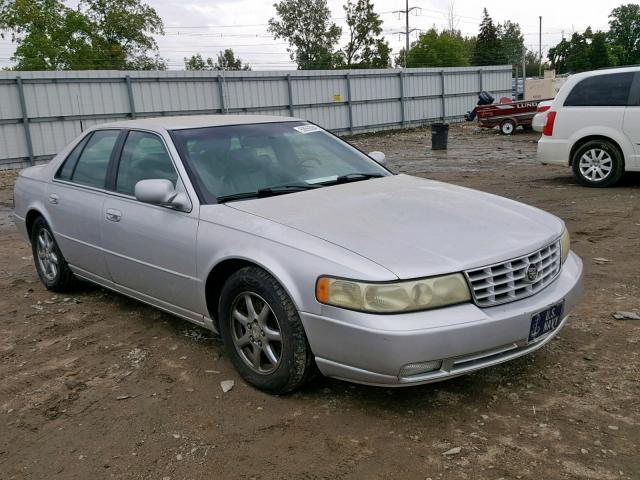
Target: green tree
<point x="512" y="42"/>
<point x="488" y="47"/>
<point x="578" y="58"/>
<point x="98" y="34"/>
<point x="47" y="34"/>
<point x="228" y="61"/>
<point x="624" y="33"/>
<point x="584" y="51"/>
<point x="599" y="51"/>
<point x="366" y="47"/>
<point x="196" y="62"/>
<point x="433" y="49"/>
<point x="558" y="56"/>
<point x="532" y="64"/>
<point x="309" y="30"/>
<point x="122" y="32"/>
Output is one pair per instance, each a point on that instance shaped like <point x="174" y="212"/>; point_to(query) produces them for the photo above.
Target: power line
<point x="407" y="31"/>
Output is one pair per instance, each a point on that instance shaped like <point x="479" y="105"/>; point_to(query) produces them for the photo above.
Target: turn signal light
<point x="548" y="127"/>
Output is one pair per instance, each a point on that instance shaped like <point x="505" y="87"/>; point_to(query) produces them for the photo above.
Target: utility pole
<point x="524" y="72"/>
<point x="540" y="47"/>
<point x="407" y="31"/>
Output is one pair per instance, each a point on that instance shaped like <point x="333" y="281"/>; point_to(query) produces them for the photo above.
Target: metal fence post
<point x="25" y="119"/>
<point x="132" y="103"/>
<point x="444" y="113"/>
<point x="480" y="79"/>
<point x="221" y="93"/>
<point x="402" y="109"/>
<point x="350" y="102"/>
<point x="290" y="91"/>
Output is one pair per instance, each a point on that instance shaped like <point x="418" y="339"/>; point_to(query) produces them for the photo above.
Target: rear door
<point x="148" y="248"/>
<point x="596" y="101"/>
<point x="632" y="124"/>
<point x="76" y="197"/>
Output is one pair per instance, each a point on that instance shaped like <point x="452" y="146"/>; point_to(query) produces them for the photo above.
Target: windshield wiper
<point x="267" y="192"/>
<point x="236" y="196"/>
<point x="283" y="189"/>
<point x="356" y="177"/>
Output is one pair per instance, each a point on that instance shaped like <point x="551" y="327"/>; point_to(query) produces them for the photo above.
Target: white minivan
<point x="593" y="126"/>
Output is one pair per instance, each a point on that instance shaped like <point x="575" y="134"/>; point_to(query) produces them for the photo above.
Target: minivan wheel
<point x="507" y="127"/>
<point x="262" y="332"/>
<point x="52" y="268"/>
<point x="597" y="163"/>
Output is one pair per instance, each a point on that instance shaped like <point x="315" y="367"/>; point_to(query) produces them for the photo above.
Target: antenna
<point x="80" y="114"/>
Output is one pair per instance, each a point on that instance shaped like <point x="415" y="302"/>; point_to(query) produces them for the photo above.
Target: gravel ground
<point x="97" y="385"/>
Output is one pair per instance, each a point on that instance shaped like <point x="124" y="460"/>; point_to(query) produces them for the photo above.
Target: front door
<point x="150" y="249"/>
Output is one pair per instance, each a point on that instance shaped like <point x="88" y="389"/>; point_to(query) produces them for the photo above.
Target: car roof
<point x="197" y="121"/>
<point x="606" y="71"/>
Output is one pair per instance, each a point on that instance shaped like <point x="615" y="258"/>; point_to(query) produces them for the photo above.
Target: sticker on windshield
<point x="307" y="129"/>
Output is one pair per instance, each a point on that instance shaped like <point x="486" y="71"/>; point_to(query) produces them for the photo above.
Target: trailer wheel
<point x="507" y="127"/>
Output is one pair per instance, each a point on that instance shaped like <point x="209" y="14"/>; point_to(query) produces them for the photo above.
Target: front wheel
<point x="262" y="332"/>
<point x="597" y="163"/>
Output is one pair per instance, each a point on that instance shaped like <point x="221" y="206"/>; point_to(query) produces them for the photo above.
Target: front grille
<point x="507" y="282"/>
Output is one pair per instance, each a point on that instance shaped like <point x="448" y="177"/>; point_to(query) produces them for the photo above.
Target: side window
<point x="143" y="157"/>
<point x="610" y="90"/>
<point x="65" y="171"/>
<point x="91" y="169"/>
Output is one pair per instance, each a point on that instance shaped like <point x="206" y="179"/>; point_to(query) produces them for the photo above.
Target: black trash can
<point x="439" y="136"/>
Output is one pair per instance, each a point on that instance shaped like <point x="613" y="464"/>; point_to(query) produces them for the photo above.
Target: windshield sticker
<point x="307" y="129"/>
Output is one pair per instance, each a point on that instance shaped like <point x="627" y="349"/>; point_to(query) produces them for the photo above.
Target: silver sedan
<point x="303" y="253"/>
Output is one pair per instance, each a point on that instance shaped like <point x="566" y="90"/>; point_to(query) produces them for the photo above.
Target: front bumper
<point x="372" y="349"/>
<point x="553" y="151"/>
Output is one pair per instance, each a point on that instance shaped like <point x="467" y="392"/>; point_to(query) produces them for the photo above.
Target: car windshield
<point x="244" y="161"/>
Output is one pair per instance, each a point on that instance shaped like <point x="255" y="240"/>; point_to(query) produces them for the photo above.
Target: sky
<point x="208" y="26"/>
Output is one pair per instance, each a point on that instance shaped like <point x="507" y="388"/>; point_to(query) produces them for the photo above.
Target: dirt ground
<point x="95" y="385"/>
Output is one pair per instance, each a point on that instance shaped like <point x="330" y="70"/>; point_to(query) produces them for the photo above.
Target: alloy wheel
<point x="47" y="256"/>
<point x="256" y="333"/>
<point x="596" y="165"/>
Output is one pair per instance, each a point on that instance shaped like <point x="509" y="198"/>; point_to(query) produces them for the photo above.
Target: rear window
<point x="91" y="167"/>
<point x="610" y="90"/>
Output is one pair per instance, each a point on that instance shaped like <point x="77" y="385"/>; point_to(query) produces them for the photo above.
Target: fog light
<point x="420" y="367"/>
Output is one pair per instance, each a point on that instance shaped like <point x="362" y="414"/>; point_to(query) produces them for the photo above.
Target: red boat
<point x="507" y="114"/>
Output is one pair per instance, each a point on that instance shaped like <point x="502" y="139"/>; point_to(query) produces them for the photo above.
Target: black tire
<point x="508" y="127"/>
<point x="296" y="363"/>
<point x="62" y="279"/>
<point x="602" y="154"/>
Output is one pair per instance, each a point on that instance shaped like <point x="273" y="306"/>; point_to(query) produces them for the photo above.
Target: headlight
<point x="565" y="244"/>
<point x="393" y="296"/>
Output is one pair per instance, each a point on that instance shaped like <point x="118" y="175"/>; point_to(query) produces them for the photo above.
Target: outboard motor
<point x="484" y="98"/>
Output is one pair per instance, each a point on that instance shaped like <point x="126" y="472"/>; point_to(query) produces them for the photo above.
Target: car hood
<point x="412" y="226"/>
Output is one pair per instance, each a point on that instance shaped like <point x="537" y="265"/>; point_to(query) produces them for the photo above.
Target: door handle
<point x="113" y="215"/>
<point x="54" y="198"/>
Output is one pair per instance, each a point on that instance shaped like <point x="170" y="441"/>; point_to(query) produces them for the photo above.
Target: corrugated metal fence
<point x="40" y="112"/>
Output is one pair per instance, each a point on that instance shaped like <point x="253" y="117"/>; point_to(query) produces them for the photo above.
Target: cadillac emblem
<point x="532" y="273"/>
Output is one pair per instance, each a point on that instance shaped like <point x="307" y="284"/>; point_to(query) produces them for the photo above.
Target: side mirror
<point x="379" y="157"/>
<point x="161" y="192"/>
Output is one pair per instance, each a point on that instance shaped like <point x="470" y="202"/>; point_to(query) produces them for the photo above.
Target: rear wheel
<point x="262" y="332"/>
<point x="598" y="163"/>
<point x="507" y="127"/>
<point x="52" y="268"/>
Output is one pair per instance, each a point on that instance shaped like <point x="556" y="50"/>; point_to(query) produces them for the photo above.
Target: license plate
<point x="545" y="321"/>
